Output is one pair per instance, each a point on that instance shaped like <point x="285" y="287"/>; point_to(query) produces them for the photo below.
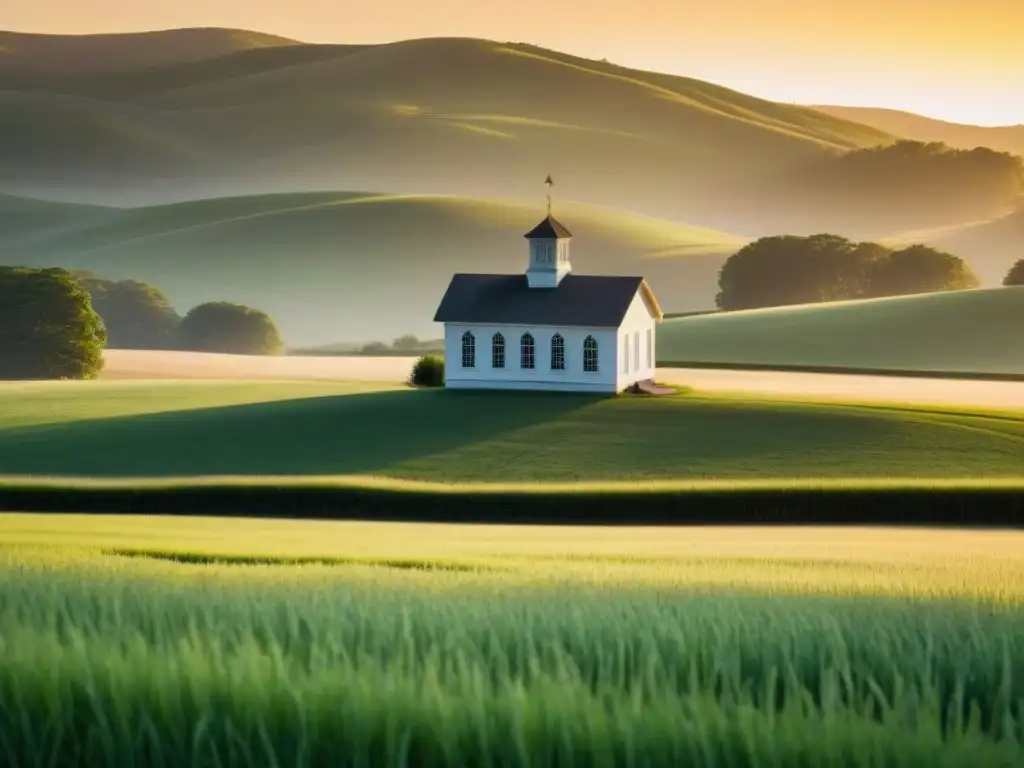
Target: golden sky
<point x="955" y="59"/>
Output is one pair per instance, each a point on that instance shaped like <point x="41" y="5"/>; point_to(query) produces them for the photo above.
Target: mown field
<point x="315" y="429"/>
<point x="150" y="641"/>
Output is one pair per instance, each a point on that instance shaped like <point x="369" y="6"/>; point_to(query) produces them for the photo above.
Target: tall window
<point x="468" y="350"/>
<point x="590" y="354"/>
<point x="526" y="359"/>
<point x="636" y="350"/>
<point x="498" y="351"/>
<point x="650" y="344"/>
<point x="625" y="353"/>
<point x="557" y="353"/>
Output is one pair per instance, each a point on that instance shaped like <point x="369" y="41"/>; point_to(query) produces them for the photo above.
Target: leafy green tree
<point x="786" y="269"/>
<point x="921" y="269"/>
<point x="1016" y="274"/>
<point x="221" y="326"/>
<point x="137" y="315"/>
<point x="48" y="328"/>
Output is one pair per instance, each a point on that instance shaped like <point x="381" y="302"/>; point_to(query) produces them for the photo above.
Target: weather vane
<point x="550" y="184"/>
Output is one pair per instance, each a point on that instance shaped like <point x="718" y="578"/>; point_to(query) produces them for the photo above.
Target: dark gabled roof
<point x="550" y="228"/>
<point x="596" y="301"/>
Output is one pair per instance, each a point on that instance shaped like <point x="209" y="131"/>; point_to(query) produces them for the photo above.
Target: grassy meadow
<point x="962" y="332"/>
<point x="140" y="429"/>
<point x="147" y="640"/>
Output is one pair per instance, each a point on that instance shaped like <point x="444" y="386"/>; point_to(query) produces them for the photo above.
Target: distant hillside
<point x="993" y="246"/>
<point x="1009" y="138"/>
<point x="29" y="55"/>
<point x="451" y="116"/>
<point x="354" y="265"/>
<point x="964" y="331"/>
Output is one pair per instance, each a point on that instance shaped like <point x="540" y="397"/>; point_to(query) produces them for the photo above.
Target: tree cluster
<point x="54" y="323"/>
<point x="910" y="183"/>
<point x="137" y="315"/>
<point x="786" y="269"/>
<point x="48" y="328"/>
<point x="140" y="316"/>
<point x="402" y="345"/>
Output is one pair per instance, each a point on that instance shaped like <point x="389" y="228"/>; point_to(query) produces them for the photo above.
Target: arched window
<point x="590" y="354"/>
<point x="526" y="359"/>
<point x="557" y="353"/>
<point x="468" y="350"/>
<point x="498" y="351"/>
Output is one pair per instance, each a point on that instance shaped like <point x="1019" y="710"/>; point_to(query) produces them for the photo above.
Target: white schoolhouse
<point x="548" y="329"/>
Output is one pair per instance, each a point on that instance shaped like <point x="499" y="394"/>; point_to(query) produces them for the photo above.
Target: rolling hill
<point x="993" y="245"/>
<point x="346" y="266"/>
<point x="1007" y="138"/>
<point x="36" y="57"/>
<point x="440" y="115"/>
<point x="964" y="331"/>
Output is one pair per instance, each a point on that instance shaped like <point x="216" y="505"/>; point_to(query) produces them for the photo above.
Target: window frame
<point x="557" y="356"/>
<point x="527" y="352"/>
<point x="468" y="350"/>
<point x="590" y="355"/>
<point x="498" y="351"/>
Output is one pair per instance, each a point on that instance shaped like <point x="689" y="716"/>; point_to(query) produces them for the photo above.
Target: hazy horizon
<point x="956" y="61"/>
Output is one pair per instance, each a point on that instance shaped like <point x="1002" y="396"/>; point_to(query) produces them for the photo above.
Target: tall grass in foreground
<point x="104" y="663"/>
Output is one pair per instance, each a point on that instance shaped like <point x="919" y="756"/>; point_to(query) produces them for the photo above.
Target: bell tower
<point x="549" y="250"/>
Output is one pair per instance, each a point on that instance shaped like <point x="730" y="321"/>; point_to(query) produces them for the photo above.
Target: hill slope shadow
<point x="362" y="433"/>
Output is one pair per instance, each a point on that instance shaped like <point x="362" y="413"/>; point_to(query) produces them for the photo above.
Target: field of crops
<point x="157" y="642"/>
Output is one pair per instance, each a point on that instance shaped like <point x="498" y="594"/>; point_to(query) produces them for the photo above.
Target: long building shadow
<point x="362" y="433"/>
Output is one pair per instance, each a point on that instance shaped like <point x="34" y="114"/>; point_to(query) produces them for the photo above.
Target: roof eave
<point x="652" y="300"/>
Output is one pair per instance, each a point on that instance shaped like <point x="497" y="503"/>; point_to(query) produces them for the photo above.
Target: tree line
<point x="787" y="269"/>
<point x="905" y="184"/>
<point x="55" y="323"/>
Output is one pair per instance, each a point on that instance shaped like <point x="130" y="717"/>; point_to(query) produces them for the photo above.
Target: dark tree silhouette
<point x="920" y="269"/>
<point x="1016" y="274"/>
<point x="230" y="328"/>
<point x="48" y="328"/>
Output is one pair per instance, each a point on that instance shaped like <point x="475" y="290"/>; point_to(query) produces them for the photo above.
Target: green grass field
<point x="182" y="430"/>
<point x="352" y="246"/>
<point x="480" y="646"/>
<point x="964" y="331"/>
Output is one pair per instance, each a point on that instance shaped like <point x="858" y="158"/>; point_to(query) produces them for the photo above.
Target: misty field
<point x="421" y="645"/>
